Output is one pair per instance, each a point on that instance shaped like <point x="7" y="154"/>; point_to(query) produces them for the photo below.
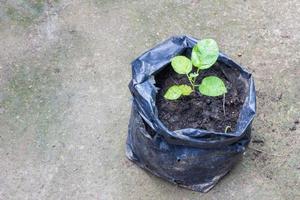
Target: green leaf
<point x="185" y="89"/>
<point x="205" y="53"/>
<point x="193" y="75"/>
<point x="181" y="64"/>
<point x="212" y="86"/>
<point x="173" y="93"/>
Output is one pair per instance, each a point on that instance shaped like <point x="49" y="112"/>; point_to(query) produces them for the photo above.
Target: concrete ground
<point x="64" y="102"/>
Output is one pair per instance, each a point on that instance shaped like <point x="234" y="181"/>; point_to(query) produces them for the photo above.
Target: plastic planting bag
<point x="192" y="158"/>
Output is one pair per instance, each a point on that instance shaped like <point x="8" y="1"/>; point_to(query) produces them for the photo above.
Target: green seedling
<point x="227" y="128"/>
<point x="204" y="55"/>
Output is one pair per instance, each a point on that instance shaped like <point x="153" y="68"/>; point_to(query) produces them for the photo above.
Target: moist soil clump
<point x="196" y="110"/>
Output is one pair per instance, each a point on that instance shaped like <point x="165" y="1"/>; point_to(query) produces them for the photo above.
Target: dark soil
<point x="197" y="111"/>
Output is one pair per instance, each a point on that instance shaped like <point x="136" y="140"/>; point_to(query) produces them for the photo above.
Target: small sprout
<point x="181" y="65"/>
<point x="193" y="75"/>
<point x="227" y="128"/>
<point x="212" y="86"/>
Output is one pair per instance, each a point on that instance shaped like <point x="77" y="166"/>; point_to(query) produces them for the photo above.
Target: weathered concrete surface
<point x="64" y="103"/>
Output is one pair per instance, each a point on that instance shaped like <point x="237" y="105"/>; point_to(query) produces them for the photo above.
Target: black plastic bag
<point x="192" y="158"/>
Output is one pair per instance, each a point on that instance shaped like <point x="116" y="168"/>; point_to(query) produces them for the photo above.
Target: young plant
<point x="204" y="55"/>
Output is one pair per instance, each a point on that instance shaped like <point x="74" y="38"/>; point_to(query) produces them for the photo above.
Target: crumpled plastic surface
<point x="192" y="158"/>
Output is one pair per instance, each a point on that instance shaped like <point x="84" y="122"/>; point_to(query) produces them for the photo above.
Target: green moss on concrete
<point x="14" y="15"/>
<point x="25" y="12"/>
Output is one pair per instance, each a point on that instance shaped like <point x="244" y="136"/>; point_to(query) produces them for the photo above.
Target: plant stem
<point x="195" y="78"/>
<point x="191" y="81"/>
<point x="224" y="104"/>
